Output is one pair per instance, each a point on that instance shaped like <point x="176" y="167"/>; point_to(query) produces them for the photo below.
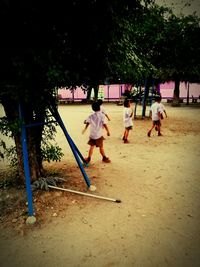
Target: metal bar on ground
<point x="84" y="194"/>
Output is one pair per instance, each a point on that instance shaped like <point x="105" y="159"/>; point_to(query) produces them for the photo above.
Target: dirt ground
<point x="157" y="180"/>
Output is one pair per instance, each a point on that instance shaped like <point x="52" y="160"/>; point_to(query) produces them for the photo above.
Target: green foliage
<point x="8" y="153"/>
<point x="51" y="153"/>
<point x="9" y="127"/>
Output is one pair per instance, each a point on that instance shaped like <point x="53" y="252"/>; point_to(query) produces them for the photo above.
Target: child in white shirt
<point x="127" y="119"/>
<point x="97" y="122"/>
<point x="155" y="114"/>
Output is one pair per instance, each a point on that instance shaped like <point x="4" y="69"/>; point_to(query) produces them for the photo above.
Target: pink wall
<point x="167" y="89"/>
<point x="114" y="91"/>
<point x="66" y="93"/>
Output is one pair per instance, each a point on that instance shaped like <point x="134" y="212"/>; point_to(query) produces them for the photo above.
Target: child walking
<point x="97" y="122"/>
<point x="155" y="114"/>
<point x="127" y="118"/>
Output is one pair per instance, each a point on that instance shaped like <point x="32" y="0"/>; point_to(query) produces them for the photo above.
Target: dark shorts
<point x="156" y="123"/>
<point x="96" y="142"/>
<point x="129" y="128"/>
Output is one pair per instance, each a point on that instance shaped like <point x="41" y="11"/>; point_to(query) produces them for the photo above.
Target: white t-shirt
<point x="155" y="109"/>
<point x="126" y="117"/>
<point x="162" y="107"/>
<point x="96" y="121"/>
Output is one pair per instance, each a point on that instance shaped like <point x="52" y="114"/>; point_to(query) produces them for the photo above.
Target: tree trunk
<point x="96" y="89"/>
<point x="34" y="138"/>
<point x="175" y="102"/>
<point x="35" y="164"/>
<point x="89" y="90"/>
<point x="146" y="94"/>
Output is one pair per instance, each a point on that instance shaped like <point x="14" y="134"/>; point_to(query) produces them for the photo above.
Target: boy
<point x="103" y="109"/>
<point x="127" y="118"/>
<point x="155" y="114"/>
<point x="162" y="110"/>
<point x="97" y="122"/>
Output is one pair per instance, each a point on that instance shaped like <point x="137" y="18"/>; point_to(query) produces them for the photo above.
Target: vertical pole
<point x="144" y="100"/>
<point x="158" y="88"/>
<point x="120" y="90"/>
<point x="152" y="94"/>
<point x="26" y="163"/>
<point x="135" y="110"/>
<point x="72" y="146"/>
<point x="188" y="93"/>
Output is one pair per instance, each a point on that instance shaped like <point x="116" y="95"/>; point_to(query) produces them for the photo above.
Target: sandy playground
<point x="157" y="179"/>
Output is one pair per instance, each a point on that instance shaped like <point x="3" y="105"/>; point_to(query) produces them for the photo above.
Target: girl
<point x="127" y="118"/>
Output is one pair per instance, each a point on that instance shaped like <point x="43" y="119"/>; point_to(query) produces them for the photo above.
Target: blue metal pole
<point x="73" y="147"/>
<point x="77" y="150"/>
<point x="26" y="164"/>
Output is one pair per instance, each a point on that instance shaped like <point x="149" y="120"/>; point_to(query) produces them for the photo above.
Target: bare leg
<point x="126" y="132"/>
<point x="90" y="152"/>
<point x="159" y="129"/>
<point x="149" y="132"/>
<point x="104" y="159"/>
<point x="101" y="149"/>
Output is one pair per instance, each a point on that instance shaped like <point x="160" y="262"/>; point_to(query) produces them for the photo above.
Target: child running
<point x="127" y="118"/>
<point x="155" y="114"/>
<point x="97" y="122"/>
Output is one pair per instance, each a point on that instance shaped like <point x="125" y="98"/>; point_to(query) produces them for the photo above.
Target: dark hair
<point x="126" y="103"/>
<point x="157" y="98"/>
<point x="100" y="101"/>
<point x="95" y="106"/>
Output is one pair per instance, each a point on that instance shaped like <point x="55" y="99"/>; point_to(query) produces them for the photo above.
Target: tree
<point x="181" y="50"/>
<point x="46" y="46"/>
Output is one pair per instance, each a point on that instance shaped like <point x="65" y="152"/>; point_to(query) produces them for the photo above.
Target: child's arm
<point x="86" y="126"/>
<point x="107" y="117"/>
<point x="159" y="115"/>
<point x="131" y="110"/>
<point x="165" y="113"/>
<point x="107" y="130"/>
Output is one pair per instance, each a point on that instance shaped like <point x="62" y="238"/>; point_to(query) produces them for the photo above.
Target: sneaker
<point x="106" y="160"/>
<point x="149" y="134"/>
<point x="159" y="134"/>
<point x="126" y="141"/>
<point x="87" y="160"/>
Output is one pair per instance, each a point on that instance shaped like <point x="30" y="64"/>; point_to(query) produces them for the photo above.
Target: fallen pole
<point x="84" y="194"/>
